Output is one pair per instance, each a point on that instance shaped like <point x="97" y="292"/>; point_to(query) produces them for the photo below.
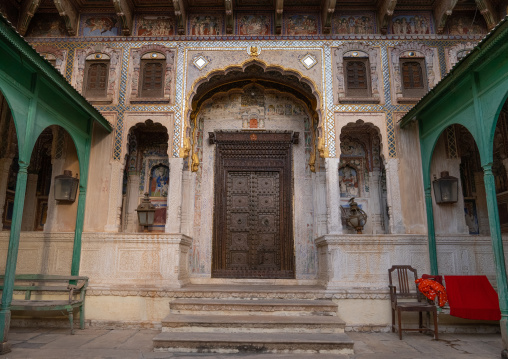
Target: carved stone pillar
<point x="481" y="204"/>
<point x="333" y="195"/>
<point x="393" y="194"/>
<point x="30" y="207"/>
<point x="132" y="199"/>
<point x="376" y="213"/>
<point x="51" y="220"/>
<point x="115" y="198"/>
<point x="5" y="165"/>
<point x="174" y="209"/>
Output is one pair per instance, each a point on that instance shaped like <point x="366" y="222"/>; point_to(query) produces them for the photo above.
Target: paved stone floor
<point x="137" y="344"/>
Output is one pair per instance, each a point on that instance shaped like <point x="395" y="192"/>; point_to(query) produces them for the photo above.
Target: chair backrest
<point x="405" y="276"/>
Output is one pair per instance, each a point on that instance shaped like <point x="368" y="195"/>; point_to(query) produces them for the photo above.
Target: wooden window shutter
<point x="412" y="75"/>
<point x="356" y="73"/>
<point x="152" y="84"/>
<point x="97" y="79"/>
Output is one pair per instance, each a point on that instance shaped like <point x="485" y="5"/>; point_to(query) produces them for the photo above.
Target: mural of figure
<point x="155" y="26"/>
<point x="302" y="25"/>
<point x="348" y="181"/>
<point x="101" y="25"/>
<point x="254" y="25"/>
<point x="411" y="24"/>
<point x="354" y="24"/>
<point x="159" y="179"/>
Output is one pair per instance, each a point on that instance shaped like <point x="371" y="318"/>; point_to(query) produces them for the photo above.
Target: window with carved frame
<point x="152" y="73"/>
<point x="414" y="77"/>
<point x="357" y="77"/>
<point x="95" y="84"/>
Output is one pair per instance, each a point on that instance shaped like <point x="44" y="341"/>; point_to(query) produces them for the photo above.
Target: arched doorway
<point x="254" y="157"/>
<point x="362" y="174"/>
<point x="146" y="171"/>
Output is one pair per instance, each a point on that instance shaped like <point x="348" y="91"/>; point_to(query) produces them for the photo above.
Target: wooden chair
<point x="408" y="291"/>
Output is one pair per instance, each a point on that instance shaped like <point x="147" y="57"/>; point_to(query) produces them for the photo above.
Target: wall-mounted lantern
<point x="146" y="212"/>
<point x="355" y="216"/>
<point x="446" y="188"/>
<point x="66" y="187"/>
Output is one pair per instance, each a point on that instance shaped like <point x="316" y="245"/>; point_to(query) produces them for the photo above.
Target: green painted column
<point x="431" y="232"/>
<point x="497" y="247"/>
<point x="12" y="257"/>
<point x="80" y="219"/>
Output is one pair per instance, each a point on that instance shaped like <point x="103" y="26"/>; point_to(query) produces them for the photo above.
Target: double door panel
<point x="253" y="223"/>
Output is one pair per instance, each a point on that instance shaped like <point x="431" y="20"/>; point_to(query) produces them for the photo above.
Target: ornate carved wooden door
<point x="253" y="209"/>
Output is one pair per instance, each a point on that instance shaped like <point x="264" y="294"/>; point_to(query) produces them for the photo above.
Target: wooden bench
<point x="73" y="286"/>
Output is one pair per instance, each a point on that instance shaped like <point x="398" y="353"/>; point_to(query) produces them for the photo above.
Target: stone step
<point x="252" y="324"/>
<point x="253" y="307"/>
<point x="254" y="342"/>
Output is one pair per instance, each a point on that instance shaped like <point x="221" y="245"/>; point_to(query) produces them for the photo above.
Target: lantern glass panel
<point x="150" y="218"/>
<point x="66" y="188"/>
<point x="142" y="218"/>
<point x="446" y="189"/>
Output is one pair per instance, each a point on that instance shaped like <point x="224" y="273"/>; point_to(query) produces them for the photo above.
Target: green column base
<point x="503" y="325"/>
<point x="5" y="348"/>
<point x="5" y="319"/>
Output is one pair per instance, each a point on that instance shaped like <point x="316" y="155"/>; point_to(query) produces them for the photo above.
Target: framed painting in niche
<point x="471" y="216"/>
<point x="348" y="181"/>
<point x="159" y="181"/>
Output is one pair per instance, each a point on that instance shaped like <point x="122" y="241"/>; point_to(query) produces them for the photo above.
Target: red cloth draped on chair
<point x="472" y="297"/>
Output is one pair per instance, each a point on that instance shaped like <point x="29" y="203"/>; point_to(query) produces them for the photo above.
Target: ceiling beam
<point x="179" y="6"/>
<point x="442" y="11"/>
<point x="385" y="13"/>
<point x="69" y="14"/>
<point x="228" y="4"/>
<point x="124" y="11"/>
<point x="327" y="14"/>
<point x="279" y="9"/>
<point x="488" y="11"/>
<point x="27" y="11"/>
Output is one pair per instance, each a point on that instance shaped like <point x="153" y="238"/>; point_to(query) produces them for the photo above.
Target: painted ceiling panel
<point x="302" y="3"/>
<point x="255" y="3"/>
<point x="205" y="3"/>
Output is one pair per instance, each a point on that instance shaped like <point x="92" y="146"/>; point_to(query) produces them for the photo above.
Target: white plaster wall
<point x="411" y="178"/>
<point x="448" y="218"/>
<point x="99" y="181"/>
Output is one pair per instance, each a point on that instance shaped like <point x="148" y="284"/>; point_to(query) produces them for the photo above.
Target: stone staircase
<point x="249" y="322"/>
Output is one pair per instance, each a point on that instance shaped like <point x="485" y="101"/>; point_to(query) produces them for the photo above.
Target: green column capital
<point x="487" y="170"/>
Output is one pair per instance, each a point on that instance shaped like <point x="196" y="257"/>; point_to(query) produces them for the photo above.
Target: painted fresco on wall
<point x="47" y="25"/>
<point x="205" y="25"/>
<point x="414" y="23"/>
<point x="301" y="24"/>
<point x="459" y="24"/>
<point x="100" y="25"/>
<point x="159" y="181"/>
<point x="348" y="182"/>
<point x="354" y="23"/>
<point x="155" y="25"/>
<point x="471" y="216"/>
<point x="254" y="24"/>
<point x="160" y="215"/>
